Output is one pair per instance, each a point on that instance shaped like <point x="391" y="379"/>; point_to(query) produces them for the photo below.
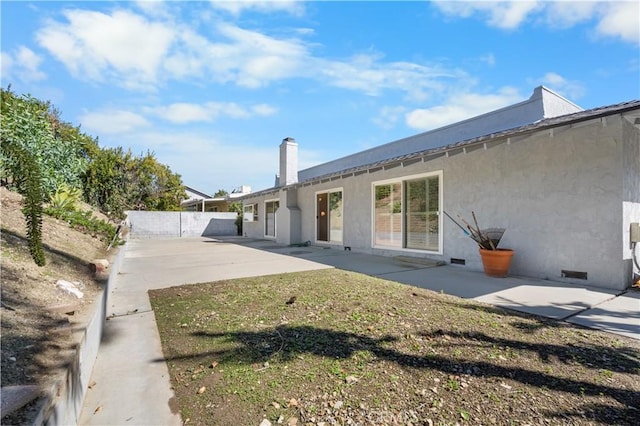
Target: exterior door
<point x="270" y="208"/>
<point x="322" y="218"/>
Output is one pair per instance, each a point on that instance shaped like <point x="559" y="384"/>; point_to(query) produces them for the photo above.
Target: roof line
<point x="541" y="125"/>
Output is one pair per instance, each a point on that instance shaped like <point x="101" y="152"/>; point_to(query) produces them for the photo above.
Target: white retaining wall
<point x="62" y="402"/>
<point x="146" y="224"/>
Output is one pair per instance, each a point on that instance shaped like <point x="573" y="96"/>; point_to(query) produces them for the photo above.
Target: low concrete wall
<point x="145" y="224"/>
<point x="62" y="402"/>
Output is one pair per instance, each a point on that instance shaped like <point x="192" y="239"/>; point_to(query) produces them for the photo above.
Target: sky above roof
<point x="212" y="88"/>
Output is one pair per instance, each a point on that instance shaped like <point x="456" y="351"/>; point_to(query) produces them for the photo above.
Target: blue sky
<point x="212" y="88"/>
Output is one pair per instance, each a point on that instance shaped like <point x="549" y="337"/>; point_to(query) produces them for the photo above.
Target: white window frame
<point x="402" y="180"/>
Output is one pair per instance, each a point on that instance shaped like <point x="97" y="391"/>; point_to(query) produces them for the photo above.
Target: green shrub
<point x="65" y="198"/>
<point x="85" y="222"/>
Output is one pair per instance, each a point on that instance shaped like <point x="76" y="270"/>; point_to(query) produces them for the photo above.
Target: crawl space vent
<point x="574" y="274"/>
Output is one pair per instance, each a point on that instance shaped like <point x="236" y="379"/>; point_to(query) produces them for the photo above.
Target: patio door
<point x="422" y="208"/>
<point x="407" y="212"/>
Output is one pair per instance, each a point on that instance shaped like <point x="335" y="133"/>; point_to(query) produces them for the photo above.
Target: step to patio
<point x="419" y="261"/>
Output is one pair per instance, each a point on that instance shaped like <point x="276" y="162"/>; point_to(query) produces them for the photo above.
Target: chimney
<point x="288" y="162"/>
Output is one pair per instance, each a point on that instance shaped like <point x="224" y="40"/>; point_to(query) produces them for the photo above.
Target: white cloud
<point x="209" y="162"/>
<point x="188" y="57"/>
<point x="369" y="75"/>
<point x="389" y="116"/>
<point x="621" y="19"/>
<point x="23" y="65"/>
<point x="567" y="88"/>
<point x="460" y="107"/>
<point x="112" y="121"/>
<point x="185" y="113"/>
<point x="182" y="113"/>
<point x="565" y="14"/>
<point x="264" y="110"/>
<point x="236" y="7"/>
<point x="97" y="46"/>
<point x="6" y="62"/>
<point x="257" y="59"/>
<point x="618" y="19"/>
<point x="511" y="15"/>
<point x="139" y="53"/>
<point x="158" y="8"/>
<point x="501" y="14"/>
<point x="488" y="59"/>
<point x="235" y="55"/>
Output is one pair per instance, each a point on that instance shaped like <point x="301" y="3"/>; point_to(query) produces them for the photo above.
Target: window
<point x="247" y="213"/>
<point x="250" y="213"/>
<point x="329" y="216"/>
<point x="407" y="213"/>
<point x="270" y="208"/>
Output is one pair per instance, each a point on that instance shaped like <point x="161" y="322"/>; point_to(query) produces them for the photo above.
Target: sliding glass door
<point x="422" y="224"/>
<point x="407" y="213"/>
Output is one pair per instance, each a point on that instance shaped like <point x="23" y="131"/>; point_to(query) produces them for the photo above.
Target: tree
<point x="59" y="149"/>
<point x="117" y="181"/>
<point x="112" y="179"/>
<point x="155" y="186"/>
<point x="105" y="181"/>
<point x="220" y="193"/>
<point x="20" y="167"/>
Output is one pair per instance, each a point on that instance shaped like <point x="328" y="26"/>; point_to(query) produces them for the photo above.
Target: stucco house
<point x="563" y="181"/>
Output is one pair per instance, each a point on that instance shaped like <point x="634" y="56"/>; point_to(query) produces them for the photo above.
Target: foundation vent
<point x="574" y="274"/>
<point x="455" y="261"/>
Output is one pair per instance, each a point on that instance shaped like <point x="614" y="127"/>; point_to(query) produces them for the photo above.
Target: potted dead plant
<point x="495" y="261"/>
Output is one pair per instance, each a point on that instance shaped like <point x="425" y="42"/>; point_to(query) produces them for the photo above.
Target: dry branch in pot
<point x="487" y="239"/>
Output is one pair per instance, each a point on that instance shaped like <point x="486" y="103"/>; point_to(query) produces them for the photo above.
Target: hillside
<point x="38" y="318"/>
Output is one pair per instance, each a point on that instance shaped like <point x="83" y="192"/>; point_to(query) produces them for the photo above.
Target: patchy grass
<point x="352" y="349"/>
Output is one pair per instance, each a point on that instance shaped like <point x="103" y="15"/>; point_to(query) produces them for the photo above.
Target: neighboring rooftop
<point x="197" y="198"/>
<point x="193" y="193"/>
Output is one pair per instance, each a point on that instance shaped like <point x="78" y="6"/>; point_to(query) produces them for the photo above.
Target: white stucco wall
<point x="152" y="224"/>
<point x="255" y="229"/>
<point x="566" y="198"/>
<point x="143" y="224"/>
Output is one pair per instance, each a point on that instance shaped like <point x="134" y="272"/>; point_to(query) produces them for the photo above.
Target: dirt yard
<point x="37" y="316"/>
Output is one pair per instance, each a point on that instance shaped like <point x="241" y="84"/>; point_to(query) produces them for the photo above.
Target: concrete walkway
<point x="131" y="384"/>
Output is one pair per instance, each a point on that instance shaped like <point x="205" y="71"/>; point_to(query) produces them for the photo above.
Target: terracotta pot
<point x="496" y="262"/>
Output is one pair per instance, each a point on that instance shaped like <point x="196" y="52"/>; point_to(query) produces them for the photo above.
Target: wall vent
<point x="455" y="261"/>
<point x="574" y="274"/>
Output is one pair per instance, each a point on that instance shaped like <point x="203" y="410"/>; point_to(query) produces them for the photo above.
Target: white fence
<point x="145" y="224"/>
